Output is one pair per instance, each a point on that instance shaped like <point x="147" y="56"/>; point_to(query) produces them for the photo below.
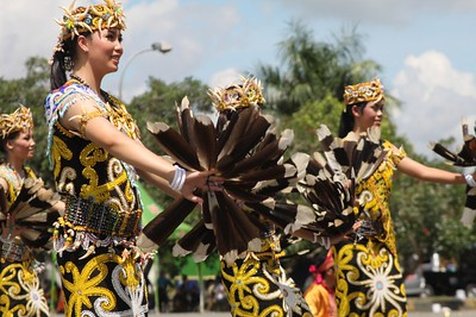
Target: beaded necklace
<point x="103" y="94"/>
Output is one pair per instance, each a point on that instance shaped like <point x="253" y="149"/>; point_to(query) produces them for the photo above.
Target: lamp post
<point x="160" y="47"/>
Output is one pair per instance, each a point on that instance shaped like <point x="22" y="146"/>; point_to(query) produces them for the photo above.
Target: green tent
<point x="209" y="268"/>
<point x="151" y="210"/>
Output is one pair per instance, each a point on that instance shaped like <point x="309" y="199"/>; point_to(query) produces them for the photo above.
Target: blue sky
<point x="426" y="48"/>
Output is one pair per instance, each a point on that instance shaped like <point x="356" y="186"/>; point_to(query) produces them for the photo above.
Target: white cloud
<point x="27" y="29"/>
<point x="225" y="77"/>
<point x="435" y="97"/>
<point x="377" y="11"/>
<point x="197" y="32"/>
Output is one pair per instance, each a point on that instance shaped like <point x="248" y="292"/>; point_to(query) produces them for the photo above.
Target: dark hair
<point x="63" y="61"/>
<point x="347" y="119"/>
<point x="3" y="141"/>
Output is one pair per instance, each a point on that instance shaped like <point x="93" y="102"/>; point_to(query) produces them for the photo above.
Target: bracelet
<point x="470" y="180"/>
<point x="179" y="178"/>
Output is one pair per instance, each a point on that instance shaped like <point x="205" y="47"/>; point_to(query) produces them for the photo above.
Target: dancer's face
<point x="104" y="50"/>
<point x="370" y="115"/>
<point x="22" y="147"/>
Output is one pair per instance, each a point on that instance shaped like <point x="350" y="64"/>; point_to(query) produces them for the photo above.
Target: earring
<point x="68" y="63"/>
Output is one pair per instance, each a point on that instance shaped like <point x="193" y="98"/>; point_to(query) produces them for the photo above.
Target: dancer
<point x="20" y="290"/>
<point x="256" y="284"/>
<point x="246" y="151"/>
<point x="320" y="294"/>
<point x="96" y="154"/>
<point x="369" y="276"/>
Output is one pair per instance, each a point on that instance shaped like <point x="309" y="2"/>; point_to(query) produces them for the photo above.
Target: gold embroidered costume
<point x="369" y="276"/>
<point x="259" y="286"/>
<point x="20" y="291"/>
<point x="96" y="238"/>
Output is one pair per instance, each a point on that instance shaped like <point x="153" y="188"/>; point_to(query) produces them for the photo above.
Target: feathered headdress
<point x="20" y="120"/>
<point x="89" y="19"/>
<point x="247" y="93"/>
<point x="363" y="92"/>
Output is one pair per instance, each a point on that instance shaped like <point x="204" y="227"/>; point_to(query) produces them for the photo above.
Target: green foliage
<point x="158" y="104"/>
<point x="426" y="217"/>
<point x="312" y="70"/>
<point x="31" y="92"/>
<point x="306" y="91"/>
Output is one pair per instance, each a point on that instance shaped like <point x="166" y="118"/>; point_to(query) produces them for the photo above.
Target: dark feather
<point x="199" y="241"/>
<point x="164" y="224"/>
<point x="174" y="145"/>
<point x="32" y="210"/>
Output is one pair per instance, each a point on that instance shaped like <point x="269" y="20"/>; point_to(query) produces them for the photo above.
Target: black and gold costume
<point x="20" y="290"/>
<point x="259" y="286"/>
<point x="369" y="276"/>
<point x="99" y="262"/>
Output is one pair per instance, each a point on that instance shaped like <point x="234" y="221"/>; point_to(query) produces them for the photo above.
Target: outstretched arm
<point x="430" y="174"/>
<point x="104" y="134"/>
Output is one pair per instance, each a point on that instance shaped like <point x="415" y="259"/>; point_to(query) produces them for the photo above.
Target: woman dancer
<point x="369" y="276"/>
<point x="96" y="154"/>
<point x="20" y="290"/>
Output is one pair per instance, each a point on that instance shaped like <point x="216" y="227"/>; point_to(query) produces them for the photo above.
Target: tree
<point x="158" y="104"/>
<point x="31" y="91"/>
<point x="306" y="90"/>
<point x="312" y="70"/>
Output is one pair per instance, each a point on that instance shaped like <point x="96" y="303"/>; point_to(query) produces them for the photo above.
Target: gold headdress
<point x="248" y="93"/>
<point x="20" y="120"/>
<point x="89" y="19"/>
<point x="363" y="92"/>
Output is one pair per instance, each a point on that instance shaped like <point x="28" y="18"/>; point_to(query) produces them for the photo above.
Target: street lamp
<point x="160" y="47"/>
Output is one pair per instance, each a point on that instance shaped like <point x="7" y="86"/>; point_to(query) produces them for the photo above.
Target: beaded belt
<point x="101" y="219"/>
<point x="13" y="250"/>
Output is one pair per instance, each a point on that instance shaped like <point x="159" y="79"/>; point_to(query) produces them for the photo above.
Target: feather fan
<point x="247" y="153"/>
<point x="329" y="184"/>
<point x="32" y="210"/>
<point x="465" y="157"/>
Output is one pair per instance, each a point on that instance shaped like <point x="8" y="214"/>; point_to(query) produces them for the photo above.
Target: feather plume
<point x="248" y="153"/>
<point x="465" y="157"/>
<point x="32" y="210"/>
<point x="329" y="185"/>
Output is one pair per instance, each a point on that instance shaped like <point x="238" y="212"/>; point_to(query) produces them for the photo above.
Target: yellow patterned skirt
<point x="369" y="281"/>
<point x="260" y="287"/>
<point x="102" y="284"/>
<point x="20" y="292"/>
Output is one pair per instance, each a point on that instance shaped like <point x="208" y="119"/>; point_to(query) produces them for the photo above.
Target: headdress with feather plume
<point x="363" y="92"/>
<point x="20" y="120"/>
<point x="247" y="93"/>
<point x="89" y="19"/>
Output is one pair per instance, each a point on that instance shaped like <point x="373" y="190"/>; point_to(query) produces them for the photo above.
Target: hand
<point x="203" y="180"/>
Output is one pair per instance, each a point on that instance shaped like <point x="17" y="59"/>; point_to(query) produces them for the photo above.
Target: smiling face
<point x="104" y="49"/>
<point x="21" y="147"/>
<point x="370" y="115"/>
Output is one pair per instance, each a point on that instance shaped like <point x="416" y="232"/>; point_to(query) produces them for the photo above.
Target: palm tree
<point x="312" y="70"/>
